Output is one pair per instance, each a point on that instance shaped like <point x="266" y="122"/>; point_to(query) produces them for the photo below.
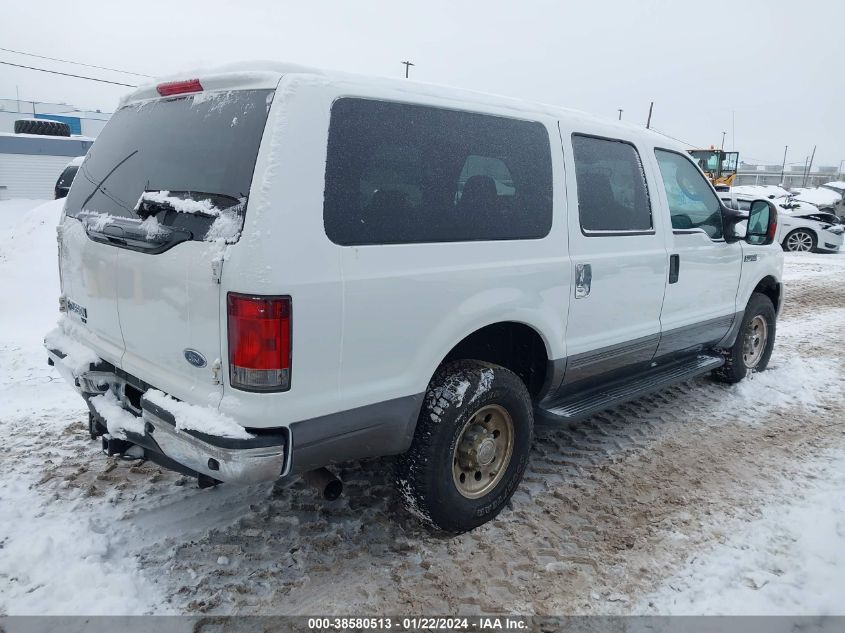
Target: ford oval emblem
<point x="194" y="357"/>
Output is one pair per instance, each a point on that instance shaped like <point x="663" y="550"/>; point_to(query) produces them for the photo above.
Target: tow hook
<point x="329" y="486"/>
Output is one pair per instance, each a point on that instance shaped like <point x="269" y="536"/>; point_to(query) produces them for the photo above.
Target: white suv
<point x="270" y="270"/>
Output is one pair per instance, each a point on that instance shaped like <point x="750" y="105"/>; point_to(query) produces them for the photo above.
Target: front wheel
<point x="800" y="241"/>
<point x="470" y="447"/>
<point x="753" y="346"/>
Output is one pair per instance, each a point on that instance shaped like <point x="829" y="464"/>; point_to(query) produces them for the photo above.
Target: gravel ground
<point x="609" y="509"/>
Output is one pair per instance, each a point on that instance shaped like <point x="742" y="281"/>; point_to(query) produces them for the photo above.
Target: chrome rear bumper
<point x="242" y="464"/>
<point x="241" y="461"/>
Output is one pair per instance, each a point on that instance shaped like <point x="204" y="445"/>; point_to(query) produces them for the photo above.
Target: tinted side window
<point x="692" y="202"/>
<point x="399" y="173"/>
<point x="612" y="193"/>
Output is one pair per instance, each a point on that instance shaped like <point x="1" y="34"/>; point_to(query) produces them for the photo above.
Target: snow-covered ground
<point x="701" y="499"/>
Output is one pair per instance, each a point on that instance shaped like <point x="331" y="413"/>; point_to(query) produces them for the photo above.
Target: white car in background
<point x="802" y="227"/>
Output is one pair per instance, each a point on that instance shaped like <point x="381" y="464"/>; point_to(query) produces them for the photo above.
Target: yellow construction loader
<point x="719" y="165"/>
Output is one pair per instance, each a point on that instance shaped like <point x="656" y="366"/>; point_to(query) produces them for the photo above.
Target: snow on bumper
<point x="195" y="437"/>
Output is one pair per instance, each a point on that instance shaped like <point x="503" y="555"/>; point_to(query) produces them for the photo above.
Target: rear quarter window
<point x="401" y="173"/>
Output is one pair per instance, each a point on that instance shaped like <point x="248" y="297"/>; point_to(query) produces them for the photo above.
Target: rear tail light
<point x="179" y="87"/>
<point x="259" y="342"/>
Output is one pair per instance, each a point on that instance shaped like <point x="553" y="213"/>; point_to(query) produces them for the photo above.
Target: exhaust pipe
<point x="329" y="486"/>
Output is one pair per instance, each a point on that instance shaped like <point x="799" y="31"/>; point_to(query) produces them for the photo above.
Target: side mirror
<point x="762" y="223"/>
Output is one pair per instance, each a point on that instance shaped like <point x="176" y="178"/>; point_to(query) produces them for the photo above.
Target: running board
<point x="572" y="407"/>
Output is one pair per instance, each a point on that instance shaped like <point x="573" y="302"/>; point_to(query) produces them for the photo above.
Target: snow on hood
<point x="761" y="191"/>
<point x="818" y="196"/>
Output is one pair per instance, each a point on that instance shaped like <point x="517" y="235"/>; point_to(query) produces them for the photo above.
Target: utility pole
<point x="810" y="168"/>
<point x="408" y="67"/>
<point x="783" y="166"/>
<point x="804" y="175"/>
<point x="723" y="141"/>
<point x="620" y="114"/>
<point x="650" y="108"/>
<point x="840" y="168"/>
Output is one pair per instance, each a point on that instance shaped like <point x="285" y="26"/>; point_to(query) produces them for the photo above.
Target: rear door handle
<point x="674" y="268"/>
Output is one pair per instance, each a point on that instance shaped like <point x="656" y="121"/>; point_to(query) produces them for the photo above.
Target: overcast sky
<point x="769" y="73"/>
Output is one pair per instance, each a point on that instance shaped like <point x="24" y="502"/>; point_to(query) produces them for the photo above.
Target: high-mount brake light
<point x="259" y="342"/>
<point x="179" y="87"/>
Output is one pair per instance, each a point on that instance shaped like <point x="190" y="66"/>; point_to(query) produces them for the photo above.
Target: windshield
<point x="162" y="157"/>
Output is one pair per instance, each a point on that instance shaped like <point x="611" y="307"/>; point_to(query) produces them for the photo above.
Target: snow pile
<point x="191" y="417"/>
<point x="225" y="227"/>
<point x="95" y="220"/>
<point x="180" y="205"/>
<point x="787" y="562"/>
<point x="118" y="420"/>
<point x="61" y="558"/>
<point x="227" y="222"/>
<point x="65" y="339"/>
<point x="152" y="228"/>
<point x="783" y="385"/>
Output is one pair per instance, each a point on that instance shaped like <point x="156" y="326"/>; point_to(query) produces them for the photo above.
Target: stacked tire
<point x="42" y="127"/>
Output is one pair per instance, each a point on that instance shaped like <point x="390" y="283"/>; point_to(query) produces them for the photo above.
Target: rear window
<point x="186" y="160"/>
<point x="399" y="173"/>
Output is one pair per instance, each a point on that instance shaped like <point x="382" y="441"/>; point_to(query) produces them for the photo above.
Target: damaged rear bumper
<point x="259" y="458"/>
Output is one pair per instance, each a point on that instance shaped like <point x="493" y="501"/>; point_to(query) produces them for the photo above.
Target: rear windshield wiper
<point x="106" y="177"/>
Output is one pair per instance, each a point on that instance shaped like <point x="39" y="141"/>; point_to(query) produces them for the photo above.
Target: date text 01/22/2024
<point x="419" y="623"/>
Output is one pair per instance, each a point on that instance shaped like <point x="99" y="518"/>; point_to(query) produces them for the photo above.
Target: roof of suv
<point x="267" y="74"/>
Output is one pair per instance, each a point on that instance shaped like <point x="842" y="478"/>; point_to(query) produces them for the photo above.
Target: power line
<point x="654" y="129"/>
<point x="56" y="72"/>
<point x="67" y="61"/>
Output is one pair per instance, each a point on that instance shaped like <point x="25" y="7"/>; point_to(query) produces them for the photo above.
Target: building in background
<point x="30" y="164"/>
<point x="82" y="122"/>
<point x="793" y="176"/>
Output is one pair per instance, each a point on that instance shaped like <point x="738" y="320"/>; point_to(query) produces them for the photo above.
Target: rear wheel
<point x="754" y="343"/>
<point x="470" y="447"/>
<point x="800" y="241"/>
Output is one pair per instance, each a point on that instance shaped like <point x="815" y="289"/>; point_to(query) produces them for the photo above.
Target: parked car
<point x="802" y="227"/>
<point x="66" y="177"/>
<point x="322" y="267"/>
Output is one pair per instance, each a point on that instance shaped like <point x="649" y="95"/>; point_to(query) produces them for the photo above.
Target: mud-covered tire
<point x="735" y="367"/>
<point x="424" y="475"/>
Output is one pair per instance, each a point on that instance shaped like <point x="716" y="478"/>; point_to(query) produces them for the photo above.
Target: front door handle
<point x="583" y="280"/>
<point x="674" y="268"/>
